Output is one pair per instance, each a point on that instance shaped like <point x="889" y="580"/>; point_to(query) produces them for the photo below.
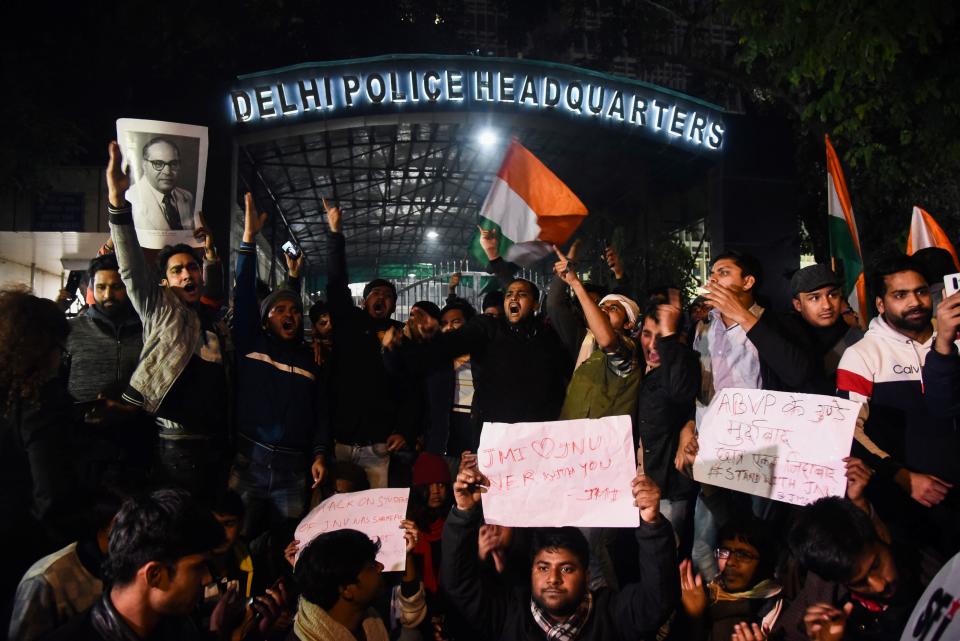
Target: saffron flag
<point x="925" y="232"/>
<point x="529" y="207"/>
<point x="844" y="239"/>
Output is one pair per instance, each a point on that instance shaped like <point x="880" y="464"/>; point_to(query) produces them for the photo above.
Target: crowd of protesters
<point x="160" y="448"/>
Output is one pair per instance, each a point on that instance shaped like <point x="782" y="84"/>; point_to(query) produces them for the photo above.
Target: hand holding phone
<point x="951" y="284"/>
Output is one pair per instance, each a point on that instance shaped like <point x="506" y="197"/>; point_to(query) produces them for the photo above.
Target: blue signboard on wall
<point x="58" y="211"/>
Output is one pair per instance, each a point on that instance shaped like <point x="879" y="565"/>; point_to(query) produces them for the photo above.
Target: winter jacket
<point x="665" y="403"/>
<point x="279" y="401"/>
<point x="797" y="357"/>
<point x="635" y="612"/>
<point x="102" y="622"/>
<point x="520" y="370"/>
<point x="368" y="404"/>
<point x="884" y="370"/>
<point x="171" y="328"/>
<point x="104" y="353"/>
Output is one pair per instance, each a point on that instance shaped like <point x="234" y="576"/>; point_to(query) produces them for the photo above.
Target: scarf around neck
<point x="568" y="630"/>
<point x="312" y="623"/>
<point x="763" y="590"/>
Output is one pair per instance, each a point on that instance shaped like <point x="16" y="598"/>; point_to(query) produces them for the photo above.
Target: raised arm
<point x="246" y="316"/>
<point x="679" y="365"/>
<point x="650" y="601"/>
<point x="294" y="266"/>
<point x="597" y="320"/>
<point x="213" y="290"/>
<point x="338" y="283"/>
<point x="461" y="579"/>
<point x="142" y="286"/>
<point x="497" y="265"/>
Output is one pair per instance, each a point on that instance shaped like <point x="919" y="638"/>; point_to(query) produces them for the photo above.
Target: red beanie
<point x="430" y="468"/>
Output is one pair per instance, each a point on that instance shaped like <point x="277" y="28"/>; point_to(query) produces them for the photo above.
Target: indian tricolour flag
<point x="844" y="239"/>
<point x="530" y="208"/>
<point x="925" y="232"/>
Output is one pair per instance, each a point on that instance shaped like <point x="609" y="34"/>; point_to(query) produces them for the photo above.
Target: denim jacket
<point x="171" y="329"/>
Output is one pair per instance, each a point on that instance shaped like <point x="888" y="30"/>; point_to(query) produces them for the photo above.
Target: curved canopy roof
<point x="411" y="176"/>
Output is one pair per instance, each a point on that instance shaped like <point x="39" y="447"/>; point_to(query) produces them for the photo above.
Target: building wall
<point x="85" y="185"/>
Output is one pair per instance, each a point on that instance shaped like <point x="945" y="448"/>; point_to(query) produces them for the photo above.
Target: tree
<point x="879" y="77"/>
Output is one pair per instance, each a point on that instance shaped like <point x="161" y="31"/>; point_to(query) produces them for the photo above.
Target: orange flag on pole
<point x="925" y="232"/>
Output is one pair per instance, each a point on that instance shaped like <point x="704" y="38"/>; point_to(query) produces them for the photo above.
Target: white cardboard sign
<point x="779" y="445"/>
<point x="559" y="473"/>
<point x="376" y="513"/>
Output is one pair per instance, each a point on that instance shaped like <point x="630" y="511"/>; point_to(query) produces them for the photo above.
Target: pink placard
<point x="559" y="473"/>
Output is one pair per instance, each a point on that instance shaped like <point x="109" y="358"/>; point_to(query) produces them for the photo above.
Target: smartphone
<point x="951" y="284"/>
<point x="290" y="249"/>
<point x="73" y="281"/>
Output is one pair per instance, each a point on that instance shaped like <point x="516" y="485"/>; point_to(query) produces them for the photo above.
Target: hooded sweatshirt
<point x="884" y="371"/>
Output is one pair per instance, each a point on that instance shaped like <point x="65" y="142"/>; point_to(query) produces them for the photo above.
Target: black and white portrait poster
<point x="167" y="163"/>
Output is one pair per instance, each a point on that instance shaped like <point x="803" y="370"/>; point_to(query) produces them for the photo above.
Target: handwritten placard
<point x="559" y="473"/>
<point x="376" y="513"/>
<point x="779" y="445"/>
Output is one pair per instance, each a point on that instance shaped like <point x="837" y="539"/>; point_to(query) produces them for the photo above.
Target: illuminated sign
<point x="392" y="84"/>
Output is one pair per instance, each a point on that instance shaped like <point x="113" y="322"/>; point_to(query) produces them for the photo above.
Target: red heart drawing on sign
<point x="544" y="447"/>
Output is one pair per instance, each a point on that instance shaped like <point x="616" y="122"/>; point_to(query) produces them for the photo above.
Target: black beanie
<point x="275" y="297"/>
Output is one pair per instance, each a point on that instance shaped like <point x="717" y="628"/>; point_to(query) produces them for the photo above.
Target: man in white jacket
<point x="908" y="446"/>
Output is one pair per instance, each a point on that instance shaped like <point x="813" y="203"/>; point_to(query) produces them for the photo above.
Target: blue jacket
<point x="279" y="398"/>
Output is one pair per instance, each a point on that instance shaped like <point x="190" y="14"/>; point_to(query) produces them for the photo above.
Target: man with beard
<point x="901" y="439"/>
<point x="182" y="378"/>
<point x="105" y="341"/>
<point x="104" y="345"/>
<point x="372" y="411"/>
<point x="557" y="602"/>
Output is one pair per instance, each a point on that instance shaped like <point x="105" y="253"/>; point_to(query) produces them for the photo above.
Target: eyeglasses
<point x="742" y="556"/>
<point x="158" y="165"/>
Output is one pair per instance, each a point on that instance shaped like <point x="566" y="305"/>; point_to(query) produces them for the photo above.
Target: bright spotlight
<point x="411" y="275"/>
<point x="487" y="138"/>
<point x="432" y="234"/>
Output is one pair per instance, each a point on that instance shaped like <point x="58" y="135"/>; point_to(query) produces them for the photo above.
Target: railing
<point x="435" y="286"/>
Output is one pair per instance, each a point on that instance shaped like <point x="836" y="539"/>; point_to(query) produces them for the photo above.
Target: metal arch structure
<point x="411" y="176"/>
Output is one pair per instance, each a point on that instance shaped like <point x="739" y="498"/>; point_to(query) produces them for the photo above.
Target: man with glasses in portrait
<point x="158" y="202"/>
